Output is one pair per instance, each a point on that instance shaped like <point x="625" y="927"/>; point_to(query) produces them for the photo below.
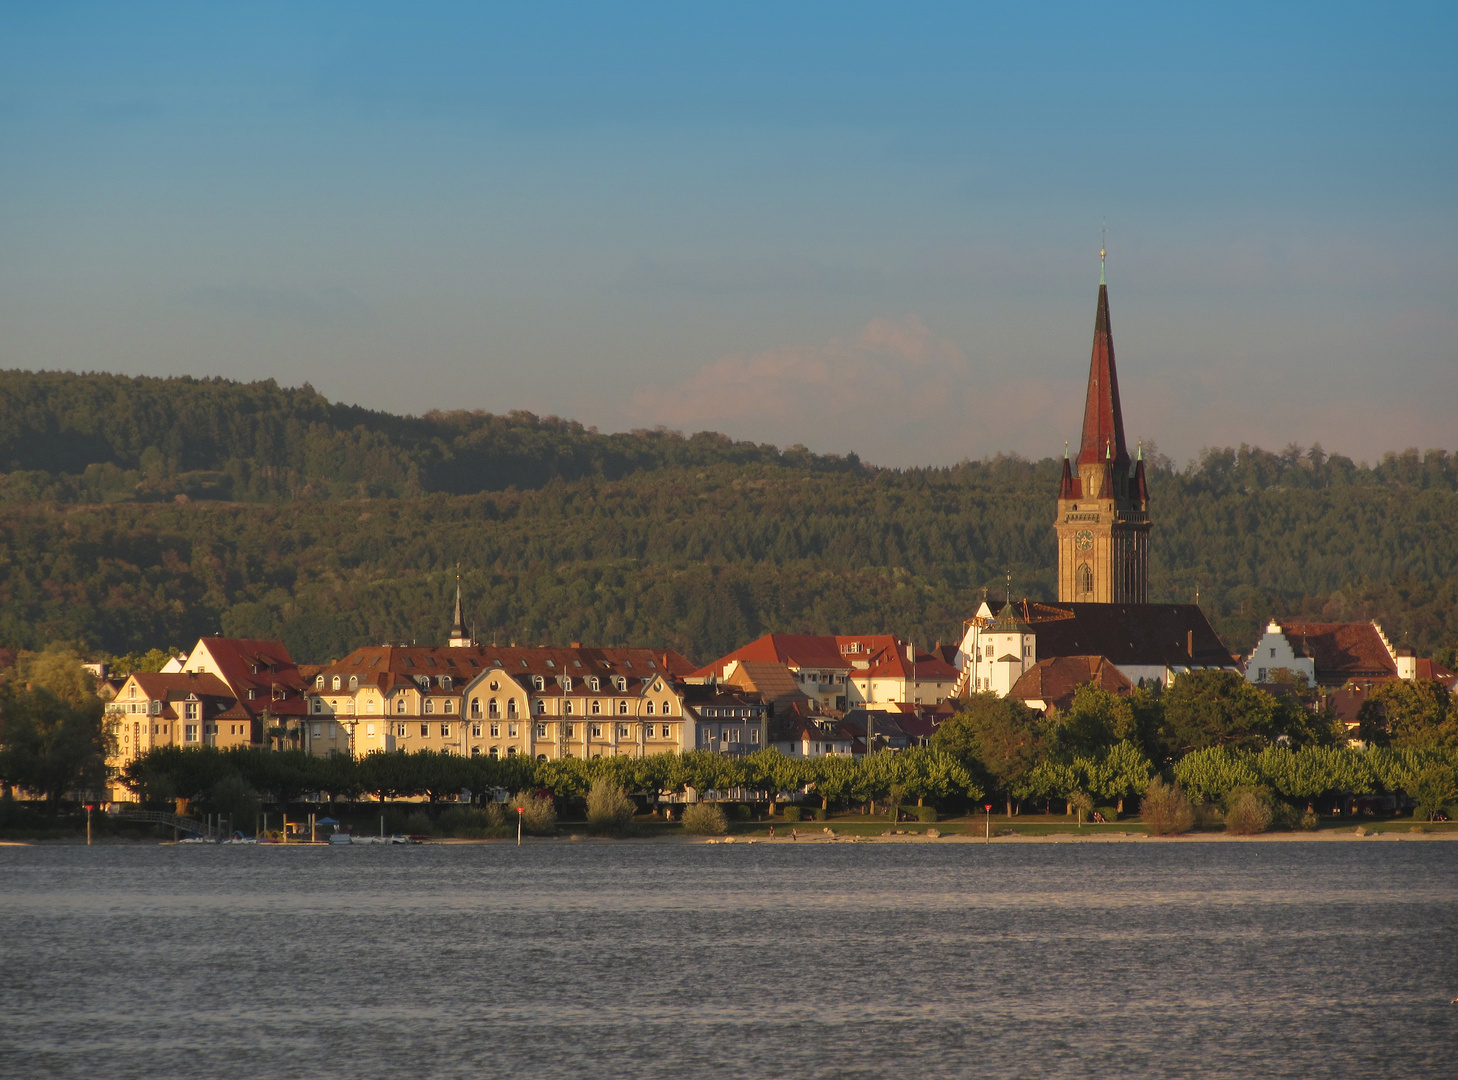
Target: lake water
<point x="659" y="960"/>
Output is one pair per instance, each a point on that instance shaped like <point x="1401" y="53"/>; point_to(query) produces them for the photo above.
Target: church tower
<point x="1103" y="509"/>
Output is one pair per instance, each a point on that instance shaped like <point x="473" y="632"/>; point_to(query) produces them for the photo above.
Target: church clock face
<point x="1083" y="539"/>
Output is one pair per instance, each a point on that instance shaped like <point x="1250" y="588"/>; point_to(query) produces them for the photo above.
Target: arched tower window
<point x="1085" y="578"/>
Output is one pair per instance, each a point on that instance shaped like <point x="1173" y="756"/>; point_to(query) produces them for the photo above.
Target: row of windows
<point x="731" y="735"/>
<point x="817" y="677"/>
<point x="565" y="681"/>
<point x="539" y="682"/>
<point x="595" y="731"/>
<point x="595" y="708"/>
<point x="493" y="707"/>
<point x="190" y="732"/>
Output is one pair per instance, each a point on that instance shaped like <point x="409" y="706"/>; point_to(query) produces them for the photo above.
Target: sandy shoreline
<point x="819" y="837"/>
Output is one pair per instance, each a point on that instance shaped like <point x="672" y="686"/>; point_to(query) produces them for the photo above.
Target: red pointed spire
<point x="1103" y="420"/>
<point x="1069" y="489"/>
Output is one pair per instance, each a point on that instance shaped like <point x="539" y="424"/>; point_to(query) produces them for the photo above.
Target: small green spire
<point x="1065" y="449"/>
<point x="1141" y="450"/>
<point x="1101" y="266"/>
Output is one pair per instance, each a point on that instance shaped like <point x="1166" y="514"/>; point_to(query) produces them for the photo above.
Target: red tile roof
<point x="264" y="667"/>
<point x="773" y="682"/>
<point x="387" y="666"/>
<point x="1134" y="634"/>
<point x="1341" y="651"/>
<point x="795" y="650"/>
<point x="1055" y="680"/>
<point x="895" y="666"/>
<point x="173" y="687"/>
<point x="1431" y="669"/>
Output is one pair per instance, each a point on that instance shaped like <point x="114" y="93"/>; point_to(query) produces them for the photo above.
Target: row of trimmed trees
<point x="1212" y="732"/>
<point x="919" y="774"/>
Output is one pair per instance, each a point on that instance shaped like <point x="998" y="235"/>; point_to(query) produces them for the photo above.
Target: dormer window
<point x="594" y="683"/>
<point x="567" y="683"/>
<point x="319" y="682"/>
<point x="354" y="682"/>
<point x="538" y="683"/>
<point x="621" y="683"/>
<point x="445" y="682"/>
<point x="335" y="684"/>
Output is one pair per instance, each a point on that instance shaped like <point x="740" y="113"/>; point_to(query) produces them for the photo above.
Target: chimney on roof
<point x="577" y="645"/>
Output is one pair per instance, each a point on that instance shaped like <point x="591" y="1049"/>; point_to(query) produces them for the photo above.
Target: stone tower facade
<point x="1103" y="507"/>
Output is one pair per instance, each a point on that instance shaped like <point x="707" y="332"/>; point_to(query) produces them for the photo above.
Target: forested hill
<point x="103" y="438"/>
<point x="334" y="526"/>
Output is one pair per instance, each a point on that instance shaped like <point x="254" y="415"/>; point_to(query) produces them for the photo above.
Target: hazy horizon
<point x="847" y="227"/>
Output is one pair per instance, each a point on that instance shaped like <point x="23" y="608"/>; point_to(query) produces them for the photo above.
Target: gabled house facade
<point x="887" y="672"/>
<point x="815" y="662"/>
<point x="184" y="709"/>
<point x="727" y="720"/>
<point x="1148" y="643"/>
<point x="1331" y="654"/>
<point x="486" y="700"/>
<point x="260" y="674"/>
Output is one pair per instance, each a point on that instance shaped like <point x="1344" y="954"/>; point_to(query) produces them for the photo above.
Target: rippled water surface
<point x="666" y="960"/>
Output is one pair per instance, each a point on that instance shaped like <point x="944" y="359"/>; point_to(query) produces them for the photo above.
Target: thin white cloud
<point x="894" y="393"/>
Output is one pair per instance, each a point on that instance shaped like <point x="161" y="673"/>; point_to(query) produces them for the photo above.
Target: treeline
<point x="208" y="775"/>
<point x="1211" y="731"/>
<point x="332" y="527"/>
<point x="702" y="560"/>
<point x="103" y="438"/>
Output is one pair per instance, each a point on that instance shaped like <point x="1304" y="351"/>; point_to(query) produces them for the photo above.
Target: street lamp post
<point x="89" y="807"/>
<point x="519" y="811"/>
<point x="988" y="808"/>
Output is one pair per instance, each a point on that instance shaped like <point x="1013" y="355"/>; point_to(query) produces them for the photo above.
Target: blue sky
<point x="857" y="227"/>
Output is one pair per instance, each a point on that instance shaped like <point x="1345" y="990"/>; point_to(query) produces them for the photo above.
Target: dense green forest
<point x="144" y="512"/>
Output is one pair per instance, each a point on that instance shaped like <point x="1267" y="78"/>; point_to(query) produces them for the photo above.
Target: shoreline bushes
<point x="705" y="819"/>
<point x="609" y="810"/>
<point x="1165" y="809"/>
